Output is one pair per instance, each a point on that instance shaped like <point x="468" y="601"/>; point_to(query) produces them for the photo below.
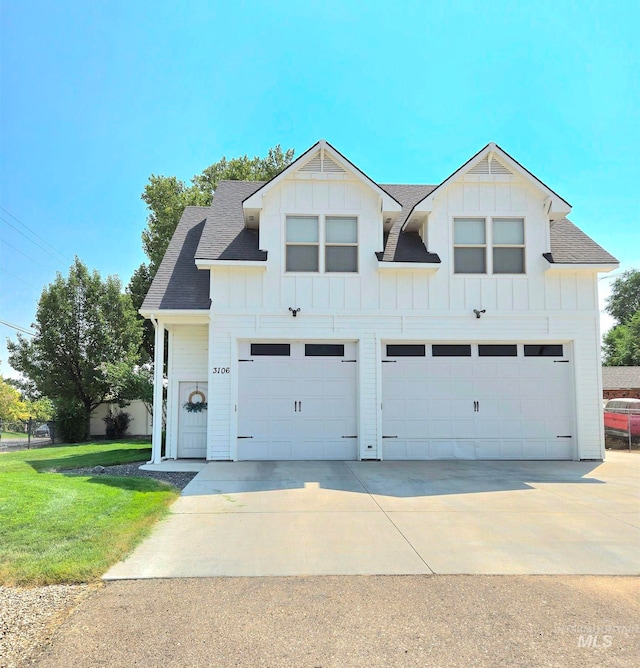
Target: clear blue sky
<point x="96" y="96"/>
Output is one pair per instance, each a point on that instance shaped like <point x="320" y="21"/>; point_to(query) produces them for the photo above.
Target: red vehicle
<point x="621" y="417"/>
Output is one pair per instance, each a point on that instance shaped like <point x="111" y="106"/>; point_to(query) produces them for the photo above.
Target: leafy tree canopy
<point x="166" y="198"/>
<point x="621" y="344"/>
<point x="12" y="408"/>
<point x="83" y="324"/>
<point x="624" y="301"/>
<point x="137" y="289"/>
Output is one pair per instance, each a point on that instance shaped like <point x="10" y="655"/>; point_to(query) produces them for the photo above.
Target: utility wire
<point x="31" y="240"/>
<point x="6" y="243"/>
<point x="22" y="330"/>
<point x="8" y="273"/>
<point x="35" y="234"/>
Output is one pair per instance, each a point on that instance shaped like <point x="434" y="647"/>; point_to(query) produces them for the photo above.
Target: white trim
<point x="559" y="207"/>
<point x="151" y="314"/>
<point x="210" y="386"/>
<point x="173" y="385"/>
<point x="604" y="268"/>
<point x="234" y="400"/>
<point x="412" y="266"/>
<point x="389" y="203"/>
<point x="243" y="264"/>
<point x="158" y="377"/>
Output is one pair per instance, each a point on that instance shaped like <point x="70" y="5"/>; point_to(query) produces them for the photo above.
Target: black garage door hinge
<point x="561" y="361"/>
<point x="349" y="437"/>
<point x="389" y="437"/>
<point x="245" y="360"/>
<point x="245" y="436"/>
<point x="564" y="436"/>
<point x="343" y="361"/>
<point x="389" y="361"/>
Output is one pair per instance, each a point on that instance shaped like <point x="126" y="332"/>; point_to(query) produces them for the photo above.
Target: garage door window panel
<point x="545" y="350"/>
<point x="406" y="350"/>
<point x="324" y="350"/>
<point x="498" y="350"/>
<point x="455" y="350"/>
<point x="271" y="349"/>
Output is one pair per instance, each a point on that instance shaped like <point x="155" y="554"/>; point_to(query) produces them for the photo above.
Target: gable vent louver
<point x="486" y="167"/>
<point x="320" y="164"/>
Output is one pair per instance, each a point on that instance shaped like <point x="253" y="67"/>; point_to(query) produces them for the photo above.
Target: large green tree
<point x="12" y="407"/>
<point x="166" y="198"/>
<point x="621" y="344"/>
<point x="86" y="329"/>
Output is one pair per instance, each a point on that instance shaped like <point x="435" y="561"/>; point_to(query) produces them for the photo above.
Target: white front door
<point x="477" y="401"/>
<point x="192" y="425"/>
<point x="297" y="401"/>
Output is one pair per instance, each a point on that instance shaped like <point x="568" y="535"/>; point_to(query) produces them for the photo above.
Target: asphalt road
<point x="345" y="621"/>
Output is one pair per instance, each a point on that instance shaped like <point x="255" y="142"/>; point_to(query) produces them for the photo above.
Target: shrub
<point x="71" y="423"/>
<point x="117" y="424"/>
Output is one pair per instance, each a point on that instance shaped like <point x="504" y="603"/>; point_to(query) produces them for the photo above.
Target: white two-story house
<point x="322" y="315"/>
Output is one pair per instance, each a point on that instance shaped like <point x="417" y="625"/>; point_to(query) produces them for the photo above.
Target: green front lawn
<point x="59" y="528"/>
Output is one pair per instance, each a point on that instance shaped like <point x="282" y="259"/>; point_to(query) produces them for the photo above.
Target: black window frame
<point x="543" y="350"/>
<point x="451" y="350"/>
<point x="324" y="349"/>
<point x="497" y="350"/>
<point x="270" y="350"/>
<point x="406" y="349"/>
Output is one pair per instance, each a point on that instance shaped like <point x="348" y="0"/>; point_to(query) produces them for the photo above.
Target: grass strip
<point x="60" y="528"/>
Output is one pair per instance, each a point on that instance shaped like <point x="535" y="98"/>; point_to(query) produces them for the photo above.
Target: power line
<point x="8" y="273"/>
<point x="31" y="240"/>
<point x="6" y="243"/>
<point x="35" y="234"/>
<point x="22" y="330"/>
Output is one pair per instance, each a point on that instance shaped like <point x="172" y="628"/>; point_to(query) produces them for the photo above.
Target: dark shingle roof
<point x="179" y="284"/>
<point x="225" y="236"/>
<point x="620" y="377"/>
<point x="218" y="232"/>
<point x="402" y="246"/>
<point x="570" y="245"/>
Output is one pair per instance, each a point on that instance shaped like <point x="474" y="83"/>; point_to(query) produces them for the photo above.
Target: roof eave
<point x="411" y="266"/>
<point x="559" y="207"/>
<point x="597" y="267"/>
<point x="245" y="264"/>
<point x="389" y="203"/>
<point x="161" y="314"/>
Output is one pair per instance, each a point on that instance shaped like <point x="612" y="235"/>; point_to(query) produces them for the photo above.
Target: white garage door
<point x="475" y="401"/>
<point x="297" y="401"/>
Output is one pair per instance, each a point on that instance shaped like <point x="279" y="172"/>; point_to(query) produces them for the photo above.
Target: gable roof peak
<point x="389" y="203"/>
<point x="558" y="207"/>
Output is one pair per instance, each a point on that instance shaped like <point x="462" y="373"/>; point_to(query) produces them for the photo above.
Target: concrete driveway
<point x="365" y="518"/>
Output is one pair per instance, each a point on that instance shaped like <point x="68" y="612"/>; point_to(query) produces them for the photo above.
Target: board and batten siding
<point x="252" y="303"/>
<point x="540" y="289"/>
<point x="578" y="333"/>
<point x="188" y="359"/>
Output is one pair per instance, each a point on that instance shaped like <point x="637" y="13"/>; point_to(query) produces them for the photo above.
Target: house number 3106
<point x="221" y="369"/>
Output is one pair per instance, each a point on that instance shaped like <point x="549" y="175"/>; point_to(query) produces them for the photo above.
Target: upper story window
<point x="321" y="244"/>
<point x="473" y="237"/>
<point x="303" y="243"/>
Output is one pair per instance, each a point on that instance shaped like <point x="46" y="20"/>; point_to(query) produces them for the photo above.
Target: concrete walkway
<point x="366" y="518"/>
